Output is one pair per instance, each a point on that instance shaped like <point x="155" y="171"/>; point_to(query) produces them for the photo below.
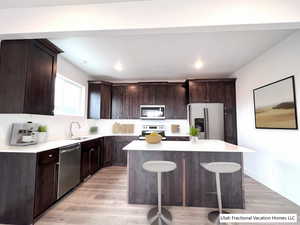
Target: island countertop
<point x="186" y="146"/>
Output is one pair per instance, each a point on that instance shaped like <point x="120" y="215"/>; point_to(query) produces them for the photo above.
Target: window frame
<point x="82" y="100"/>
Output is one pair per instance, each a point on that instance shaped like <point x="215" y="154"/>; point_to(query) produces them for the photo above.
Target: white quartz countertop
<point x="57" y="144"/>
<point x="186" y="146"/>
<point x="45" y="146"/>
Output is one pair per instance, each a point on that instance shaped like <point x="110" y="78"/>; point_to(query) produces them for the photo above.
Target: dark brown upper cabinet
<point x="99" y="100"/>
<point x="27" y="76"/>
<point x="125" y="101"/>
<point x="127" y="98"/>
<point x="217" y="91"/>
<point x="176" y="103"/>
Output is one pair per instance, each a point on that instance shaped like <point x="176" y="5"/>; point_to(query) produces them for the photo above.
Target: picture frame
<point x="275" y="105"/>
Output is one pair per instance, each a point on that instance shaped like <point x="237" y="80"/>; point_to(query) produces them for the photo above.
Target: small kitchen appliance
<point x="23" y="134"/>
<point x="152" y="112"/>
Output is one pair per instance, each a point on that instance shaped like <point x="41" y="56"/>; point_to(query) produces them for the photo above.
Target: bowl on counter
<point x="153" y="138"/>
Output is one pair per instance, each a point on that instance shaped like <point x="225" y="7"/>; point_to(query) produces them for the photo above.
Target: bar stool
<point x="218" y="168"/>
<point x="159" y="215"/>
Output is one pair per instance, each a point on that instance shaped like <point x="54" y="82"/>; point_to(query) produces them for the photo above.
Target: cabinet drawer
<point x="90" y="144"/>
<point x="51" y="156"/>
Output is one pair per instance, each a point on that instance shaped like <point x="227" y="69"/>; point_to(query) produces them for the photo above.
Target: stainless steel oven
<point x="152" y="112"/>
<point x="148" y="129"/>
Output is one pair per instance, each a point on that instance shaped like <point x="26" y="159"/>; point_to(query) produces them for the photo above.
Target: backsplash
<point x="105" y="126"/>
<point x="58" y="126"/>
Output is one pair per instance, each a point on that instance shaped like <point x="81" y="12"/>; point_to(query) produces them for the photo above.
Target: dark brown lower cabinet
<point x="46" y="180"/>
<point x="107" y="151"/>
<point x="90" y="154"/>
<point x="178" y="138"/>
<point x="112" y="153"/>
<point x="119" y="157"/>
<point x="17" y="187"/>
<point x="31" y="179"/>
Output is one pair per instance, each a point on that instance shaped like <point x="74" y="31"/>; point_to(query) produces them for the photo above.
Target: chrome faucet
<point x="71" y="128"/>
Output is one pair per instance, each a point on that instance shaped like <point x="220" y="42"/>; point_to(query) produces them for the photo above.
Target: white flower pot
<point x="193" y="139"/>
<point x="42" y="137"/>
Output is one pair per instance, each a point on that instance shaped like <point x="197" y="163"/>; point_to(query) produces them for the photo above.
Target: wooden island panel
<point x="189" y="184"/>
<point x="143" y="184"/>
<point x="201" y="184"/>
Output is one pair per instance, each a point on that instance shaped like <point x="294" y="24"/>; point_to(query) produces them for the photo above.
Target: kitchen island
<point x="189" y="184"/>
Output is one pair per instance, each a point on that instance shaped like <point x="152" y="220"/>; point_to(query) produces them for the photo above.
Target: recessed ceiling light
<point x="118" y="66"/>
<point x="198" y="64"/>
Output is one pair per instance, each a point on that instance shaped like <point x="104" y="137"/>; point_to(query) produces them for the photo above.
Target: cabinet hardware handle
<point x="50" y="156"/>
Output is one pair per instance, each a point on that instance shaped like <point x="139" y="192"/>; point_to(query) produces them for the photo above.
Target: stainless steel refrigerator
<point x="208" y="118"/>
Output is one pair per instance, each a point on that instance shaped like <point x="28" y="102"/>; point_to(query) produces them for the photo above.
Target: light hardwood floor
<point x="102" y="200"/>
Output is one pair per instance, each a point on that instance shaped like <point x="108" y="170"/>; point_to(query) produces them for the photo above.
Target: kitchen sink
<point x="79" y="138"/>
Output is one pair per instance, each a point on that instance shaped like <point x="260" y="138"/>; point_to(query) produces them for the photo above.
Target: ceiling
<point x="166" y="56"/>
<point x="36" y="3"/>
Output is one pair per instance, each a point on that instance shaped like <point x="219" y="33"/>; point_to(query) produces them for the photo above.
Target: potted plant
<point x="194" y="134"/>
<point x="93" y="130"/>
<point x="42" y="134"/>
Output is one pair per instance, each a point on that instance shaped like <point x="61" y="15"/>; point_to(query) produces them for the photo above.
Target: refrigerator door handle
<point x="206" y="124"/>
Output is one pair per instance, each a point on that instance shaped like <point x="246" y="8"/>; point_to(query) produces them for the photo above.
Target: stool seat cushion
<point x="222" y="167"/>
<point x="159" y="166"/>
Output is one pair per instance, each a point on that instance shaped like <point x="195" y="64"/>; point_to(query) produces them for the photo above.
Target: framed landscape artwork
<point x="275" y="105"/>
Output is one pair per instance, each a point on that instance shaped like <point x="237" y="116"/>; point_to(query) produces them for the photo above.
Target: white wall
<point x="276" y="162"/>
<point x="58" y="125"/>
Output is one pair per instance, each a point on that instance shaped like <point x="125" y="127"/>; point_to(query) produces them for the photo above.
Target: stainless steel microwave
<point x="152" y="112"/>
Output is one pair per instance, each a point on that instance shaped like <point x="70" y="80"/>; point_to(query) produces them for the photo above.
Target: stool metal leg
<point x="159" y="215"/>
<point x="219" y="194"/>
<point x="159" y="192"/>
<point x="214" y="216"/>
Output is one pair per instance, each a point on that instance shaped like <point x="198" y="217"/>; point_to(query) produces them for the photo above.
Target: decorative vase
<point x="42" y="137"/>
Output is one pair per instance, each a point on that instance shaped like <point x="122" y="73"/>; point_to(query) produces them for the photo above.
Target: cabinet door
<point x="94" y="159"/>
<point x="105" y="101"/>
<point x="94" y="101"/>
<point x="160" y="92"/>
<point x="85" y="162"/>
<point x="176" y="104"/>
<point x="198" y="92"/>
<point x="131" y="103"/>
<point x="108" y="148"/>
<point x="99" y="101"/>
<point x="118" y="93"/>
<point x="46" y="181"/>
<point x="216" y="92"/>
<point x="119" y="157"/>
<point x="41" y="72"/>
<point x="146" y="94"/>
<point x="125" y="101"/>
<point x="230" y="113"/>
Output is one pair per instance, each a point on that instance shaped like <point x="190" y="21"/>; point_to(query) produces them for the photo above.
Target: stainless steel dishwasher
<point x="69" y="169"/>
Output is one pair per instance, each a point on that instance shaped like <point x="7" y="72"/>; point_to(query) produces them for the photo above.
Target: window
<point x="69" y="97"/>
